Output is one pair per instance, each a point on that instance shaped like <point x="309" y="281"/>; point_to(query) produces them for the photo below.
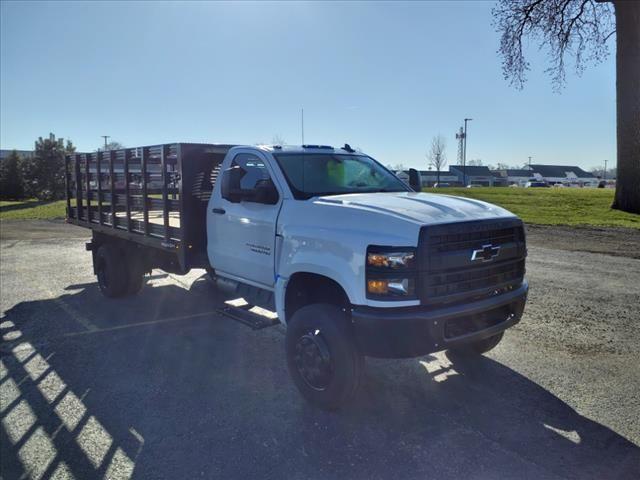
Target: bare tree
<point x="278" y="140"/>
<point x="436" y="154"/>
<point x="581" y="28"/>
<point x="110" y="146"/>
<point x="398" y="167"/>
<point x="599" y="172"/>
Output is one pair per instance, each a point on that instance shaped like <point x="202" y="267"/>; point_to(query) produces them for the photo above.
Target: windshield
<point x="311" y="174"/>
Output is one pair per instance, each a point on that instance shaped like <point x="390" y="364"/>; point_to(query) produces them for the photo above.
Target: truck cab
<point x="357" y="264"/>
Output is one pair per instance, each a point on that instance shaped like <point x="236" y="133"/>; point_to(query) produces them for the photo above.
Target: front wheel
<point x="323" y="359"/>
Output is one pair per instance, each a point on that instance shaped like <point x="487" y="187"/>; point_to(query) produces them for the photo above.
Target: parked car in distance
<point x="441" y="185"/>
<point x="537" y="184"/>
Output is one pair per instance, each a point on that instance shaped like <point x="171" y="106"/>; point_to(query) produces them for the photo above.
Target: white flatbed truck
<point x="352" y="260"/>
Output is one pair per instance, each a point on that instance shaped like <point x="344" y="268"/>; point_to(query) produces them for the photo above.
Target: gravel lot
<point x="160" y="386"/>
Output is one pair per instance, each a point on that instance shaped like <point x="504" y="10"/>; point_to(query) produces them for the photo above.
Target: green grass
<point x="32" y="210"/>
<point x="553" y="206"/>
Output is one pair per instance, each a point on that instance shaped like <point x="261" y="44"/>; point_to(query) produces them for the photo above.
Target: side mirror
<point x="231" y="185"/>
<point x="265" y="192"/>
<point x="414" y="180"/>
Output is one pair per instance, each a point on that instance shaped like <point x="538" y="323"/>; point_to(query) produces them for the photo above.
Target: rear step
<point x="250" y="315"/>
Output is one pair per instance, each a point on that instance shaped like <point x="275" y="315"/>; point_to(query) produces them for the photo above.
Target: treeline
<point x="40" y="176"/>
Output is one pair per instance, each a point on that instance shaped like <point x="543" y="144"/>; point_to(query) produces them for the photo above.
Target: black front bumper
<point x="416" y="331"/>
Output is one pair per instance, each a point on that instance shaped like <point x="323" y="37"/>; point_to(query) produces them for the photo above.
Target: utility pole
<point x="302" y="123"/>
<point x="105" y="141"/>
<point x="460" y="138"/>
<point x="605" y="170"/>
<point x="464" y="160"/>
<point x="529" y="163"/>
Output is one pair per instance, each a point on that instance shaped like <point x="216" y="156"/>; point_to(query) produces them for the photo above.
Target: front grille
<point x="447" y="272"/>
<point x="470" y="279"/>
<point x="460" y="241"/>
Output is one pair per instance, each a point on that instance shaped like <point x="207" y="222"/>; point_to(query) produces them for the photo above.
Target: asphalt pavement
<point x="161" y="386"/>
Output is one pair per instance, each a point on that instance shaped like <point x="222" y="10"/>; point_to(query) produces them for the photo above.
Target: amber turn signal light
<point x="378" y="287"/>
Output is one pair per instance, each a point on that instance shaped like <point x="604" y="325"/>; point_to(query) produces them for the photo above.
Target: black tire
<point x="323" y="359"/>
<point x="478" y="347"/>
<point x="135" y="270"/>
<point x="135" y="277"/>
<point x="111" y="270"/>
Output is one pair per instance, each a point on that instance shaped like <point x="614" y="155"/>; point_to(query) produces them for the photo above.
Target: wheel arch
<point x="305" y="288"/>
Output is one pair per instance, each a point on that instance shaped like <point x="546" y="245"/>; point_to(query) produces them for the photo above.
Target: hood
<point x="420" y="208"/>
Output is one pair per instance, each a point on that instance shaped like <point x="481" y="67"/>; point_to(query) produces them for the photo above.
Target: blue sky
<point x="385" y="77"/>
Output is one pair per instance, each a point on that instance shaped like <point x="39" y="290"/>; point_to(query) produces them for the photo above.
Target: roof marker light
<point x="325" y="147"/>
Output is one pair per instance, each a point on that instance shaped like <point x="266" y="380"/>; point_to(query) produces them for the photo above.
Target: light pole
<point x="464" y="154"/>
<point x="105" y="141"/>
<point x="604" y="175"/>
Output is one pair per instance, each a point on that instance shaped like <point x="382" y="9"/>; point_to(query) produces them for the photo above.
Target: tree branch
<point x="562" y="25"/>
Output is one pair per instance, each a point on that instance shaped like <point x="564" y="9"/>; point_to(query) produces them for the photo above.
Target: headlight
<point x="391" y="273"/>
<point x="392" y="260"/>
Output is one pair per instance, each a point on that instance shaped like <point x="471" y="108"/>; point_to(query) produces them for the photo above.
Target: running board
<point x="249" y="315"/>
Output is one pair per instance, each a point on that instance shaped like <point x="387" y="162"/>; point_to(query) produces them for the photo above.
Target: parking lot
<point x="161" y="386"/>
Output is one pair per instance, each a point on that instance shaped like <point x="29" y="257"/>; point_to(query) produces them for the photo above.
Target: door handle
<point x="220" y="211"/>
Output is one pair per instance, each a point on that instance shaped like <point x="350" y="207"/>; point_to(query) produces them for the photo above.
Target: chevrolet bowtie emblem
<point x="485" y="254"/>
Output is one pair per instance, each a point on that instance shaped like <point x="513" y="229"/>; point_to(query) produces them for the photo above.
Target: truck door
<point x="241" y="223"/>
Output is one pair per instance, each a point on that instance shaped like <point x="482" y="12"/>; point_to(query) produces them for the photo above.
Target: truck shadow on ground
<point x="160" y="386"/>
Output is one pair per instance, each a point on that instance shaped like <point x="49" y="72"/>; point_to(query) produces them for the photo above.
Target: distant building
<point x="516" y="177"/>
<point x="23" y="153"/>
<point x="475" y="175"/>
<point x="498" y="179"/>
<point x="568" y="175"/>
<point x="480" y="175"/>
<point x="551" y="174"/>
<point x="402" y="175"/>
<point x="429" y="178"/>
<point x="454" y="177"/>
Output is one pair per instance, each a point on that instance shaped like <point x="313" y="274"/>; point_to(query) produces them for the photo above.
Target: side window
<point x="247" y="179"/>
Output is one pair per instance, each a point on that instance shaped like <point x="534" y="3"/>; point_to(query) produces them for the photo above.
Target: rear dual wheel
<point x="118" y="274"/>
<point x="135" y="276"/>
